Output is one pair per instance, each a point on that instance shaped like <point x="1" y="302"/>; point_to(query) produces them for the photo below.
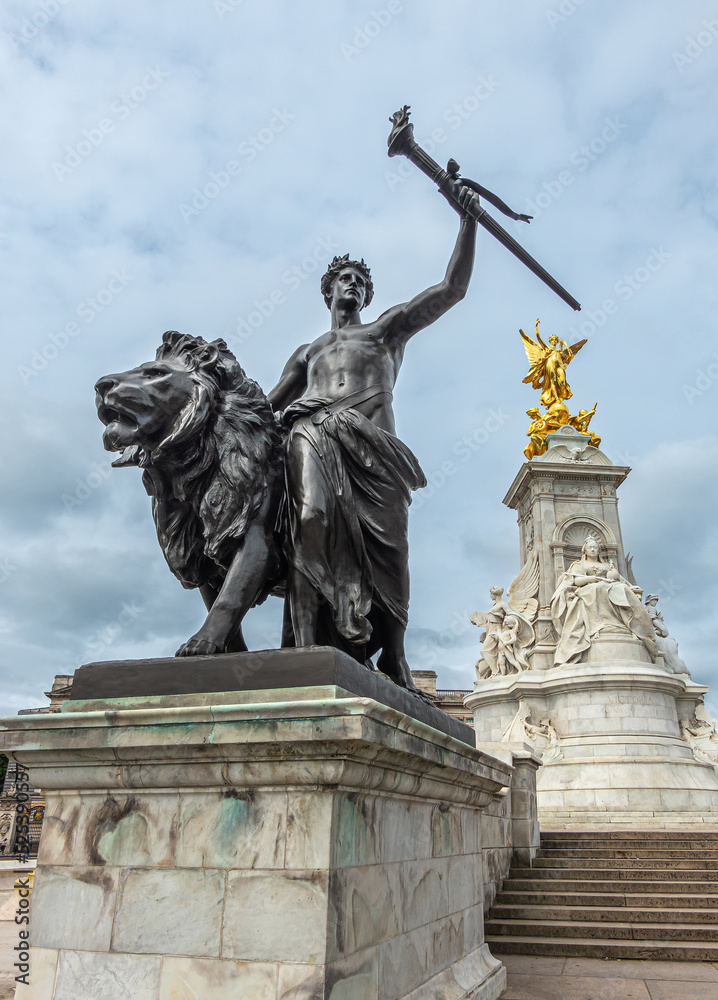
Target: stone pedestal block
<point x="320" y="846"/>
<point x="509" y="828"/>
<point x="614" y="754"/>
<point x="560" y="501"/>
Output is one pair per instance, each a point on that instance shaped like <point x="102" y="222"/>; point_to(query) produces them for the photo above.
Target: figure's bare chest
<point x="351" y="345"/>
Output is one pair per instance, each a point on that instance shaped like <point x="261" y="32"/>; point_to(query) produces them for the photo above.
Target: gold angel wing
<point x="536" y="354"/>
<point x="573" y="350"/>
<point x="522" y="592"/>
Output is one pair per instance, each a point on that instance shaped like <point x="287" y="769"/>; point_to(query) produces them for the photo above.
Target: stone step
<point x="527" y="882"/>
<point x="586" y="929"/>
<point x="692" y="843"/>
<point x="619" y="874"/>
<point x="591" y="948"/>
<point x="519" y="910"/>
<point x="681" y="864"/>
<point x="614" y="894"/>
<point x="574" y="897"/>
<point x="629" y="853"/>
<point x="605" y="835"/>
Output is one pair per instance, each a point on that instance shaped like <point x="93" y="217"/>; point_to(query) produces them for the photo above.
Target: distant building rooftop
<point x="450" y="701"/>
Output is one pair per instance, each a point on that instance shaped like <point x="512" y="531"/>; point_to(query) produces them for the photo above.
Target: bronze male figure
<point x="349" y="478"/>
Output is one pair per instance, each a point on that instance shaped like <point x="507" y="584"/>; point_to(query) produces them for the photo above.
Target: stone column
<point x="558" y="502"/>
<point x="525" y="832"/>
<point x="247" y="845"/>
<point x="510" y="832"/>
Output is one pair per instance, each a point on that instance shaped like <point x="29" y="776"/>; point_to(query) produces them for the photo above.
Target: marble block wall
<point x="619" y="758"/>
<point x="509" y="827"/>
<point x="326" y="850"/>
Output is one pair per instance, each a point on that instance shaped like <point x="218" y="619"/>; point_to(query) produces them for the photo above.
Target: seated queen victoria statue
<point x="592" y="597"/>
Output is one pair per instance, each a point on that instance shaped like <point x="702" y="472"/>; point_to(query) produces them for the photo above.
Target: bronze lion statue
<point x="210" y="449"/>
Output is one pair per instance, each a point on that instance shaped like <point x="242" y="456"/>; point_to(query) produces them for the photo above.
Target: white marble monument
<point x="576" y="665"/>
<point x="299" y="843"/>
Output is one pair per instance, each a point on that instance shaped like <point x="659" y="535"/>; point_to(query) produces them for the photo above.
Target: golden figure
<point x="548" y="373"/>
<point x="548" y="366"/>
<point x="581" y="423"/>
<point x="542" y="424"/>
<point x="537" y="433"/>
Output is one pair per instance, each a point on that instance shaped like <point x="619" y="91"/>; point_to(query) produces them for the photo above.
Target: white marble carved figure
<point x="592" y="597"/>
<point x="543" y="738"/>
<point x="666" y="643"/>
<point x="701" y="734"/>
<point x="509" y="630"/>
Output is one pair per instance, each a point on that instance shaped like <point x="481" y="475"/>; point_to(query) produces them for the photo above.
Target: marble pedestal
<point x="616" y="756"/>
<point x="270" y="844"/>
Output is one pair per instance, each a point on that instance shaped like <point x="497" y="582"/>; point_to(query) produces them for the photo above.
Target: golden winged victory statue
<point x="548" y="366"/>
<point x="547" y="372"/>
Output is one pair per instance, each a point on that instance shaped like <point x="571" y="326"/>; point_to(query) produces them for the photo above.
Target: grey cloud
<point x="324" y="175"/>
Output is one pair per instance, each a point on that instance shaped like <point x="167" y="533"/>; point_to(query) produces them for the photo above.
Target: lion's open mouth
<point x="120" y="427"/>
<point x="109" y="415"/>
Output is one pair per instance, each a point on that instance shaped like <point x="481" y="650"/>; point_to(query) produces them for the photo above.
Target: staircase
<point x="617" y="894"/>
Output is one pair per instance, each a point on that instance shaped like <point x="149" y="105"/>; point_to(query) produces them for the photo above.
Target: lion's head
<point x="207" y="439"/>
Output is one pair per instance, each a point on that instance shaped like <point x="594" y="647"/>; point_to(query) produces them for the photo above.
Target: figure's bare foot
<point x="198" y="647"/>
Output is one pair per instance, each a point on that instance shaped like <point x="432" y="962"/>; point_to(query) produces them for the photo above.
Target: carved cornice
<point x="542" y="477"/>
<point x="353" y="744"/>
<point x="619" y="676"/>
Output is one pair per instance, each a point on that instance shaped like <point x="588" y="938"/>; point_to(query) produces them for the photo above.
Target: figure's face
<point x="349" y="289"/>
<point x="496" y="593"/>
<point x="553" y="340"/>
<point x="591" y="548"/>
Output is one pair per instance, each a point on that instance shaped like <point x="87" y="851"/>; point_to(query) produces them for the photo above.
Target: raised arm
<point x="293" y="381"/>
<point x="426" y="307"/>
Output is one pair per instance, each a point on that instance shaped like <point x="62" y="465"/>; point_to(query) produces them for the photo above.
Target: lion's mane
<point x="218" y="468"/>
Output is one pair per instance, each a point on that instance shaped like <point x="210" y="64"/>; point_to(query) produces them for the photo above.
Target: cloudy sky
<point x="119" y="219"/>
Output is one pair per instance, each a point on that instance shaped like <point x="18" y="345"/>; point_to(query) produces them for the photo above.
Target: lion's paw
<point x="198" y="647"/>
